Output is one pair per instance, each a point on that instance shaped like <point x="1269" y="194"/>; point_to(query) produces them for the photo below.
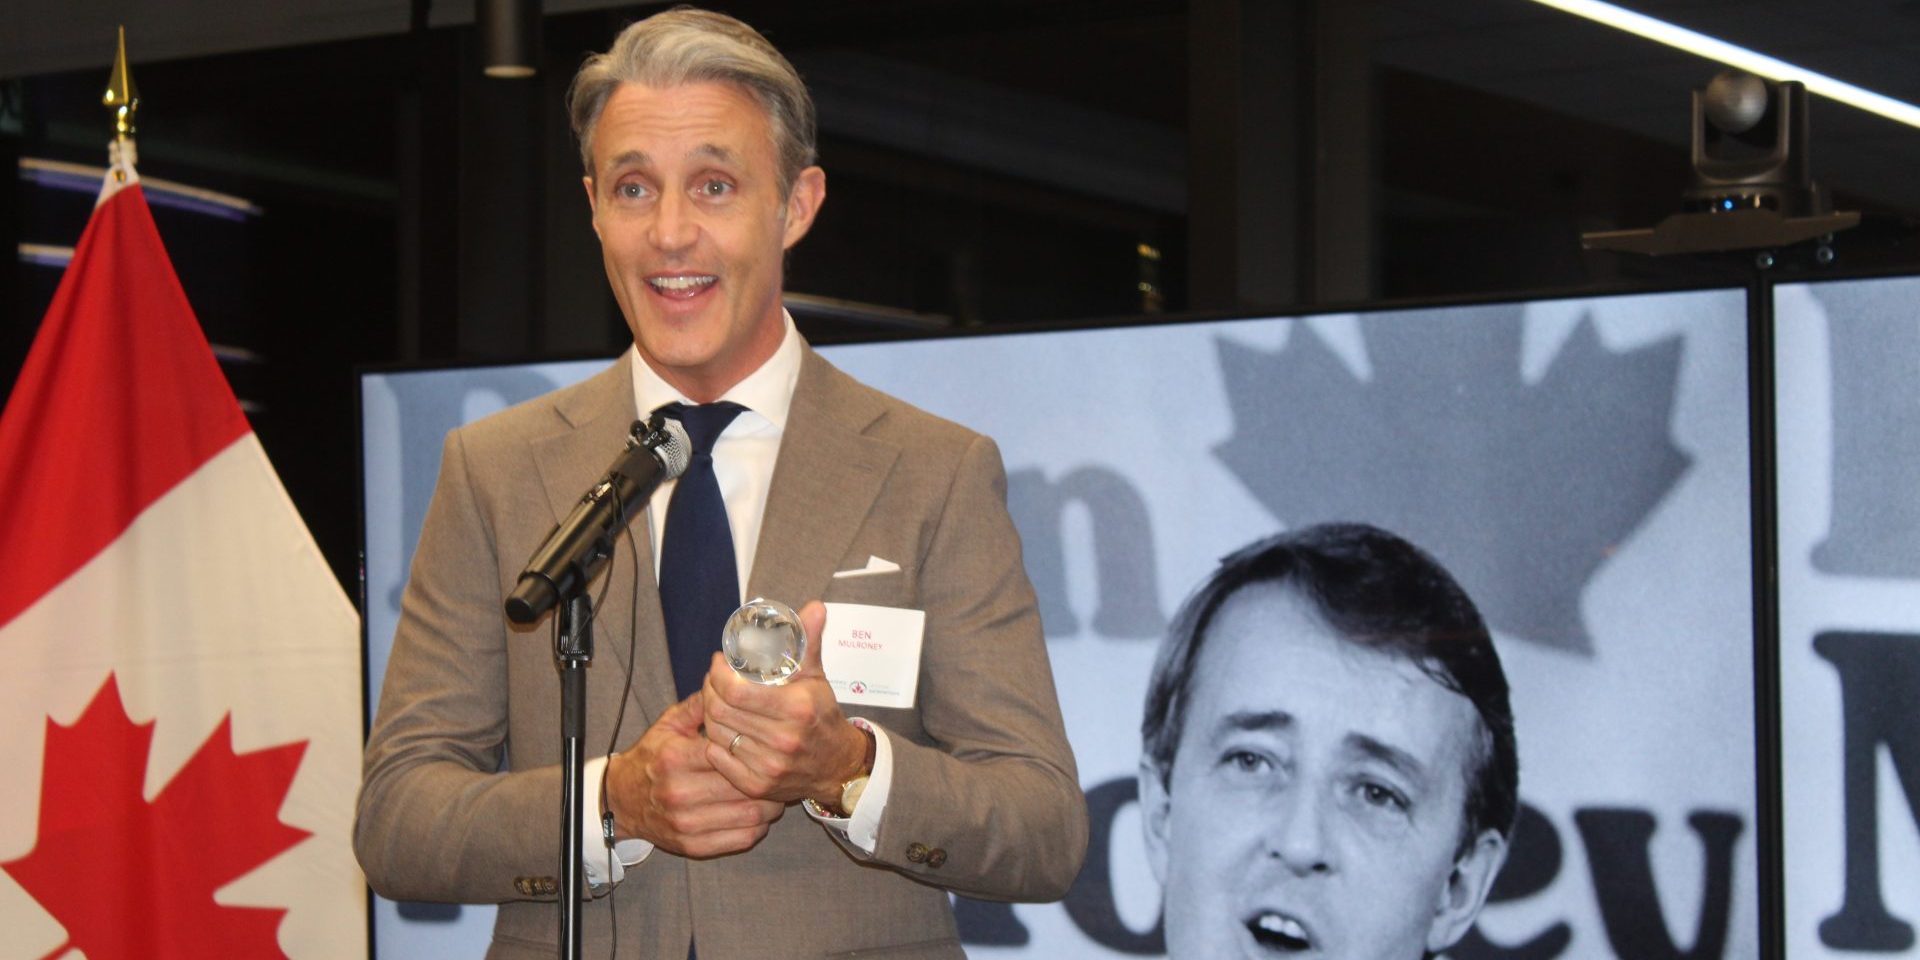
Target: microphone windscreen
<point x="676" y="451"/>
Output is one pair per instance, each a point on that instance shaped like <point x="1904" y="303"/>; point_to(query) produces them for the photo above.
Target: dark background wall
<point x="990" y="163"/>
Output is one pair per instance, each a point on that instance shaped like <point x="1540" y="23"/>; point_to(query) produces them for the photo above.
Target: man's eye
<point x="716" y="188"/>
<point x="1246" y="761"/>
<point x="1378" y="795"/>
<point x="630" y="191"/>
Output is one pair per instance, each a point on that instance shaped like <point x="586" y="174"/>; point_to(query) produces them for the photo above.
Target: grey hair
<point x="682" y="46"/>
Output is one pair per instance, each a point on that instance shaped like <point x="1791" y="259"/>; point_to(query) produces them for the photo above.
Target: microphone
<point x="657" y="451"/>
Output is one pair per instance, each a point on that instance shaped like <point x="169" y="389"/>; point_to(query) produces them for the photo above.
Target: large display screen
<point x="1848" y="433"/>
<point x="1580" y="466"/>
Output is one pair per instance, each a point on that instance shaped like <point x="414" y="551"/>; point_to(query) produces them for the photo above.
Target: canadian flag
<point x="180" y="715"/>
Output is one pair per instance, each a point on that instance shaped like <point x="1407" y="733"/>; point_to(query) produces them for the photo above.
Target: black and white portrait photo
<point x="1328" y="764"/>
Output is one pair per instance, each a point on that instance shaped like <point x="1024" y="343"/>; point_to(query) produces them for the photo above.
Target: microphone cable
<point x="619" y="720"/>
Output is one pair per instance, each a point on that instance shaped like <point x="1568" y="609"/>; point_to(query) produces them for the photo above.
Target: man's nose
<point x="1298" y="837"/>
<point x="675" y="225"/>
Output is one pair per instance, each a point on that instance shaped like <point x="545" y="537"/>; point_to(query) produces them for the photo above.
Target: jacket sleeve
<point x="437" y="818"/>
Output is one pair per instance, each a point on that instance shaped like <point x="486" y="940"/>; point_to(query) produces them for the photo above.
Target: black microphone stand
<point x="573" y="651"/>
<point x="558" y="576"/>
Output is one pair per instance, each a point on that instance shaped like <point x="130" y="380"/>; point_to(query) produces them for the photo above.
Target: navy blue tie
<point x="699" y="587"/>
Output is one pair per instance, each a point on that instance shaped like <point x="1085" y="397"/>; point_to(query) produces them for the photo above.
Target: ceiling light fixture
<point x="509" y="37"/>
<point x="1712" y="48"/>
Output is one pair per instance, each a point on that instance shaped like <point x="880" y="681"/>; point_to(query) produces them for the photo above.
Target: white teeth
<point x="1285" y="926"/>
<point x="681" y="283"/>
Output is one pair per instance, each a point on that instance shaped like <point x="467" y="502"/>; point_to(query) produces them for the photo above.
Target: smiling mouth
<point x="682" y="286"/>
<point x="1279" y="932"/>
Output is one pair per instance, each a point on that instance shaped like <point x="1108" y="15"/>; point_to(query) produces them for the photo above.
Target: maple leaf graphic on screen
<point x="129" y="878"/>
<point x="1521" y="490"/>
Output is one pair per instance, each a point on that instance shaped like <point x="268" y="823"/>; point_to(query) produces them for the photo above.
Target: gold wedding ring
<point x="734" y="743"/>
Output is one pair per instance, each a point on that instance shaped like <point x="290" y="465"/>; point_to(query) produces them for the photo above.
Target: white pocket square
<point x="874" y="565"/>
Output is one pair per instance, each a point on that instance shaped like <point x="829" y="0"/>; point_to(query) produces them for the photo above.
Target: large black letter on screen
<point x="1879" y="685"/>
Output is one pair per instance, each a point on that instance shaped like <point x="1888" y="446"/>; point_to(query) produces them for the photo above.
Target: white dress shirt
<point x="743" y="461"/>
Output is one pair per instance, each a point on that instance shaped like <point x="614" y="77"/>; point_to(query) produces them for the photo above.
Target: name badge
<point x="872" y="654"/>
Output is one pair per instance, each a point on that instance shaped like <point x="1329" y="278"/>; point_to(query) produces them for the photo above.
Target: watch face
<point x="850" y="794"/>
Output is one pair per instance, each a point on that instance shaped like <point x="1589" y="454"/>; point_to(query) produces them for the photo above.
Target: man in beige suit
<point x="746" y="821"/>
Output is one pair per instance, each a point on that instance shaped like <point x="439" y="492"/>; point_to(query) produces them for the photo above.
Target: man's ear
<point x="1466" y="890"/>
<point x="1154" y="817"/>
<point x="593" y="204"/>
<point x="803" y="204"/>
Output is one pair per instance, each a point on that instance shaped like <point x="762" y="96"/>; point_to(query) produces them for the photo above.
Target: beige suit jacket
<point x="461" y="795"/>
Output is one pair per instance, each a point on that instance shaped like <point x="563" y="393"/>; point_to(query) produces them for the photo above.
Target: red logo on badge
<point x="857" y="687"/>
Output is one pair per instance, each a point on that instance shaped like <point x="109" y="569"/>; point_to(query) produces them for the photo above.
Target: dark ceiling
<point x="1118" y="59"/>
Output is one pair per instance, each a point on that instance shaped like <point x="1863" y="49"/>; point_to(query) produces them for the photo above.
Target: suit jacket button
<point x="549" y="886"/>
<point x="524" y="885"/>
<point x="936" y="857"/>
<point x="916" y="853"/>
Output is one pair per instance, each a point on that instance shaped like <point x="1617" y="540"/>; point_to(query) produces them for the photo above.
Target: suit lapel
<point x="824" y="483"/>
<point x="598" y="418"/>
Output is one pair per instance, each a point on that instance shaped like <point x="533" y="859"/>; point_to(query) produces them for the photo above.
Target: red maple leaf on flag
<point x="131" y="879"/>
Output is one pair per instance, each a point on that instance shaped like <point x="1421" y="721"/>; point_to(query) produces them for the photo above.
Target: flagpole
<point x="123" y="100"/>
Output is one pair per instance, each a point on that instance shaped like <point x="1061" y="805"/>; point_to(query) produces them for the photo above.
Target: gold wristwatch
<point x="851" y="790"/>
<point x="850" y="794"/>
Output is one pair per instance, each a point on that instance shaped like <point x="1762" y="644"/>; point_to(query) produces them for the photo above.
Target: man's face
<point x="1316" y="799"/>
<point x="687" y="200"/>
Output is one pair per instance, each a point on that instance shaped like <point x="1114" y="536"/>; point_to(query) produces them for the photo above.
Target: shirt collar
<point x="767" y="391"/>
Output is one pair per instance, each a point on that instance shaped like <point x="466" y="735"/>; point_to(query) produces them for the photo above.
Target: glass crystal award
<point x="764" y="642"/>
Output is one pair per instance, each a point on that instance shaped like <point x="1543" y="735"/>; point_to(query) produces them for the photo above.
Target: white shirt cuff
<point x="604" y="867"/>
<point x="863" y="828"/>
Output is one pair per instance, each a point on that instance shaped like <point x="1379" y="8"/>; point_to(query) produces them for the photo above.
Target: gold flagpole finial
<point x="121" y="98"/>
